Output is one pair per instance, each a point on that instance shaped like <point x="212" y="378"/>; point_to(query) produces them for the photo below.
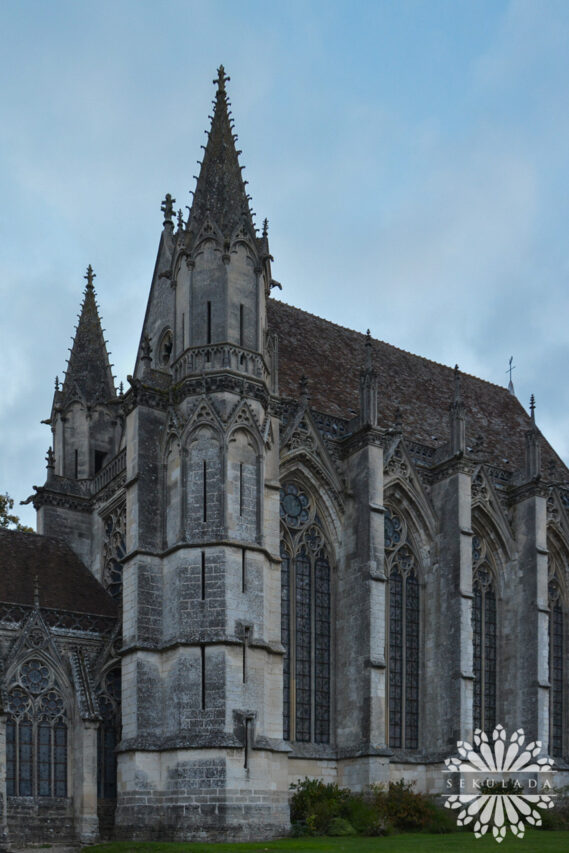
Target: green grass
<point x="533" y="842"/>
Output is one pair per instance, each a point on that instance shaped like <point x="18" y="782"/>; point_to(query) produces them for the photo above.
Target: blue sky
<point x="411" y="157"/>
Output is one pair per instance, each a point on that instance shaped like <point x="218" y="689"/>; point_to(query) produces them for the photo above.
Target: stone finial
<point x="146" y="353"/>
<point x="50" y="459"/>
<point x="533" y="446"/>
<point x="90" y="276"/>
<point x="180" y="220"/>
<point x="57" y="383"/>
<point x="121" y="389"/>
<point x="532" y="408"/>
<point x="167" y="208"/>
<point x="457" y="418"/>
<point x="265" y="228"/>
<point x="221" y="79"/>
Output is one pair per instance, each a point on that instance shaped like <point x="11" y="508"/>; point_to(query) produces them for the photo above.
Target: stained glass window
<point x="305" y="619"/>
<point x="403" y="635"/>
<point x="108" y="734"/>
<point x="36" y="734"/>
<point x="556" y="666"/>
<point x="483" y="638"/>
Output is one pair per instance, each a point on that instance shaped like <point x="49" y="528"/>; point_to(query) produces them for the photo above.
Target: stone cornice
<point x="533" y="489"/>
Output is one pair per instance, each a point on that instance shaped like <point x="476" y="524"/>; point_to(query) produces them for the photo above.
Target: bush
<point x="341" y="826"/>
<point x="321" y="809"/>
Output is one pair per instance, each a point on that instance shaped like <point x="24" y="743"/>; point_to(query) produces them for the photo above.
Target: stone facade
<point x="331" y="558"/>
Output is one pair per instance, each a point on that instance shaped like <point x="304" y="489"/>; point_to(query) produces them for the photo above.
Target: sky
<point x="412" y="159"/>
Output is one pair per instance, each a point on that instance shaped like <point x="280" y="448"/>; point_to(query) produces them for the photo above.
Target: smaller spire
<point x="457" y="418"/>
<point x="265" y="228"/>
<point x="533" y="446"/>
<point x="50" y="463"/>
<point x="57" y="383"/>
<point x="90" y="276"/>
<point x="368" y="387"/>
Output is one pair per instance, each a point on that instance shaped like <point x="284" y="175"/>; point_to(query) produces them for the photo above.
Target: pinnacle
<point x="88" y="367"/>
<point x="220" y="190"/>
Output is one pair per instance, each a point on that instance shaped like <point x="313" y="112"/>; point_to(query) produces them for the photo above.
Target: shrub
<point x="321" y="809"/>
<point x="341" y="826"/>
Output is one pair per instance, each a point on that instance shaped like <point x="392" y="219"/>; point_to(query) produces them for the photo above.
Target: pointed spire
<point x="533" y="446"/>
<point x="89" y="369"/>
<point x="368" y="387"/>
<point x="220" y="190"/>
<point x="457" y="417"/>
<point x="50" y="463"/>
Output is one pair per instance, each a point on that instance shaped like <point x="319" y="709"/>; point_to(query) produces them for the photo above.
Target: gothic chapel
<point x="286" y="550"/>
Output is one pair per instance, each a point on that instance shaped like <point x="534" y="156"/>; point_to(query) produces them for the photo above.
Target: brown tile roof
<point x="331" y="357"/>
<point x="64" y="581"/>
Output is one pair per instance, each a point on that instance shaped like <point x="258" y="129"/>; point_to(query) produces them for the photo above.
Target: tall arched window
<point x="108" y="734"/>
<point x="305" y="618"/>
<point x="483" y="637"/>
<point x="36" y="734"/>
<point x="556" y="662"/>
<point x="402" y="635"/>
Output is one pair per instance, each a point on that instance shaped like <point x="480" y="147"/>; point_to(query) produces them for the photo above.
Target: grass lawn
<point x="456" y="842"/>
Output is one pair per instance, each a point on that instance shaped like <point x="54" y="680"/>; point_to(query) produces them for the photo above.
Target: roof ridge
<point x="393" y="347"/>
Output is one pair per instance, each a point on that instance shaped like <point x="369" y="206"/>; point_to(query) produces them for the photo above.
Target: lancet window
<point x="305" y="618"/>
<point x="557" y="664"/>
<point x="403" y="609"/>
<point x="114" y="549"/>
<point x="36" y="734"/>
<point x="484" y="637"/>
<point x="108" y="734"/>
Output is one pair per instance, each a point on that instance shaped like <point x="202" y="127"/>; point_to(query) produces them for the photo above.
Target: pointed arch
<point x="490" y="555"/>
<point x="403" y="621"/>
<point x="37" y="718"/>
<point x="306" y="613"/>
<point x="558" y="600"/>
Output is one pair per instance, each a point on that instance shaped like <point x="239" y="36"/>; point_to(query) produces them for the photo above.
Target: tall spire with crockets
<point x="220" y="190"/>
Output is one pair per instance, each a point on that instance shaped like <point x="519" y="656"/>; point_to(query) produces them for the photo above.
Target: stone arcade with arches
<point x="286" y="549"/>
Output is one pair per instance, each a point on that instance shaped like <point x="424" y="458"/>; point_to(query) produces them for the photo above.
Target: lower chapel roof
<point x="63" y="581"/>
<point x="331" y="358"/>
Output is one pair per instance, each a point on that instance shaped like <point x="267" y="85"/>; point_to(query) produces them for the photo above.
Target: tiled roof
<point x="64" y="582"/>
<point x="331" y="357"/>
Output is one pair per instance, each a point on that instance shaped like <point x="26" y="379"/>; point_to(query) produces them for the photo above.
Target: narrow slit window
<point x="241" y="337"/>
<point x="245" y="644"/>
<point x="243" y="571"/>
<point x="204" y="496"/>
<point x="209" y="322"/>
<point x="203" y="577"/>
<point x="76" y="464"/>
<point x="203" y="676"/>
<point x="240" y="488"/>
